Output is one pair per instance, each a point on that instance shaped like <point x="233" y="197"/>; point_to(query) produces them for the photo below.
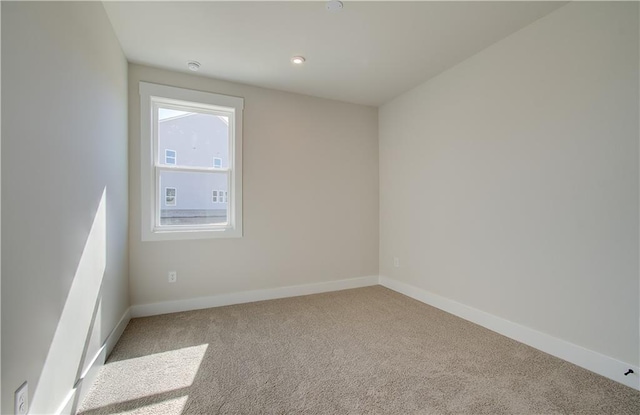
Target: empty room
<point x="320" y="207"/>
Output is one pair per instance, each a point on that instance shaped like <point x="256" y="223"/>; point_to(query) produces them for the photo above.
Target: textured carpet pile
<point x="367" y="350"/>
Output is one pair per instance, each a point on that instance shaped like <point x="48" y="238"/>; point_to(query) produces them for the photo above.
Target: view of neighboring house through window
<point x="169" y="157"/>
<point x="219" y="196"/>
<point x="200" y="133"/>
<point x="197" y="136"/>
<point x="170" y="196"/>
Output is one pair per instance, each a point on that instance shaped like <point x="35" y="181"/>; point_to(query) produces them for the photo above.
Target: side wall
<point x="509" y="183"/>
<point x="64" y="195"/>
<point x="310" y="198"/>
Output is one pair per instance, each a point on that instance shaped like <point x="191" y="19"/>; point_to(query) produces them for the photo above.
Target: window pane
<point x="198" y="138"/>
<point x="200" y="201"/>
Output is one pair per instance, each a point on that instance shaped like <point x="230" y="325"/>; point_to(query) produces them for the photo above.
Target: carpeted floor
<point x="367" y="350"/>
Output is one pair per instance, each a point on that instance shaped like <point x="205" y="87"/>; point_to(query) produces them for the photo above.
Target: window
<point x="170" y="157"/>
<point x="201" y="126"/>
<point x="219" y="196"/>
<point x="170" y="196"/>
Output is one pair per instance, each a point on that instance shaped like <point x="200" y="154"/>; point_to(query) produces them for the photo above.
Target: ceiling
<point x="368" y="53"/>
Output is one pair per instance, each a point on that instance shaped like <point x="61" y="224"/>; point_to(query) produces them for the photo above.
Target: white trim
<point x="588" y="359"/>
<point x="184" y="94"/>
<point x="88" y="377"/>
<point x="116" y="333"/>
<point x="144" y="310"/>
<point x="152" y="95"/>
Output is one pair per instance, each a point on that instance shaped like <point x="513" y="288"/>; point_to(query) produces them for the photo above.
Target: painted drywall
<point x="64" y="194"/>
<point x="310" y="196"/>
<point x="0" y="202"/>
<point x="509" y="183"/>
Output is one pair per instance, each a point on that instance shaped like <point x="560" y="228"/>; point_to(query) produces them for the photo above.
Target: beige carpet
<point x="368" y="350"/>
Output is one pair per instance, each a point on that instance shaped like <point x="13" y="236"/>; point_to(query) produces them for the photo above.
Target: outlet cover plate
<point x="22" y="399"/>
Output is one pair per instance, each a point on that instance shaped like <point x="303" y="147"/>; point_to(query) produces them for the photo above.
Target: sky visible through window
<point x="164" y="113"/>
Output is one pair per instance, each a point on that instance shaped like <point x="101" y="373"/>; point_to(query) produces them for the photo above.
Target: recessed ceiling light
<point x="193" y="65"/>
<point x="298" y="60"/>
<point x="334" y="6"/>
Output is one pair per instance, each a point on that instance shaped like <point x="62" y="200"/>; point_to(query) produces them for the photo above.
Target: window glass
<point x="198" y="137"/>
<point x="192" y="142"/>
<point x="170" y="157"/>
<point x="197" y="206"/>
<point x="170" y="196"/>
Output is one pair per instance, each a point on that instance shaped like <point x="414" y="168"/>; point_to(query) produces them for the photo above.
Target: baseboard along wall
<point x="88" y="377"/>
<point x="250" y="296"/>
<point x="588" y="359"/>
<point x="596" y="362"/>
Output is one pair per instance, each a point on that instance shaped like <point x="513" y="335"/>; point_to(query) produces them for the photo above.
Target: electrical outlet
<point x="173" y="276"/>
<point x="22" y="399"/>
<point x="396" y="262"/>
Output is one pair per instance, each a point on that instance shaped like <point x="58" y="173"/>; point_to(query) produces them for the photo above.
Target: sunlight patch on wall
<point x="69" y="341"/>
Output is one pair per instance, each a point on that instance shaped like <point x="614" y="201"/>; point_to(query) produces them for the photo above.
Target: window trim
<point x="150" y="96"/>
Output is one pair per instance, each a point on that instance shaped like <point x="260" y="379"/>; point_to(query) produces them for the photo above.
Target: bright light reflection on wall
<point x="67" y="348"/>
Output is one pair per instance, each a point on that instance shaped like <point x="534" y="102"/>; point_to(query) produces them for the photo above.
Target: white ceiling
<point x="368" y="53"/>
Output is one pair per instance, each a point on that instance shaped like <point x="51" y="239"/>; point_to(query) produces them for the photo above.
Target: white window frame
<point x="214" y="162"/>
<point x="216" y="196"/>
<point x="175" y="196"/>
<point x="174" y="157"/>
<point x="152" y="96"/>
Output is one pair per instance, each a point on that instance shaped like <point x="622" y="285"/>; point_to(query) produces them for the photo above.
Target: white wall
<point x="298" y="152"/>
<point x="509" y="183"/>
<point x="64" y="246"/>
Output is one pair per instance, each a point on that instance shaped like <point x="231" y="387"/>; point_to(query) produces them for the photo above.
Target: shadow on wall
<point x="79" y="319"/>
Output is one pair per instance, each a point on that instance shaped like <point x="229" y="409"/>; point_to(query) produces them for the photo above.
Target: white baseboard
<point x="144" y="310"/>
<point x="83" y="384"/>
<point x="117" y="331"/>
<point x="596" y="362"/>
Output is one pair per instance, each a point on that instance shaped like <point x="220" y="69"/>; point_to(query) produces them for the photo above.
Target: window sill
<point x="184" y="235"/>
